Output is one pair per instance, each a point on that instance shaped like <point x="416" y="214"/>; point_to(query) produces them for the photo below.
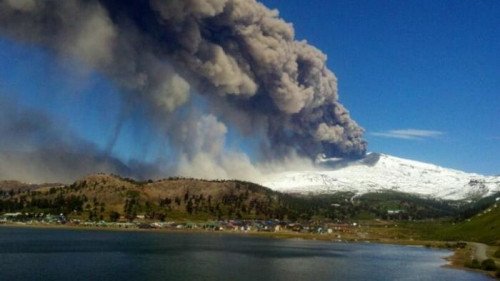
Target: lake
<point x="63" y="254"/>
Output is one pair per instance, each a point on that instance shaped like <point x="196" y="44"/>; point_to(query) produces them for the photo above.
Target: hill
<point x="101" y="196"/>
<point x="108" y="197"/>
<point x="483" y="227"/>
<point x="17" y="186"/>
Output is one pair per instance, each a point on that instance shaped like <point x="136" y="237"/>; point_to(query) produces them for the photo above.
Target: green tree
<point x="114" y="216"/>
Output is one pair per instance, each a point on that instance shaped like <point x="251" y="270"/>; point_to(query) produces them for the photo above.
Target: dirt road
<point x="479" y="251"/>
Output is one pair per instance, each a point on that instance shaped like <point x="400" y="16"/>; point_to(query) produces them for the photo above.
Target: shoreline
<point x="455" y="260"/>
<point x="276" y="235"/>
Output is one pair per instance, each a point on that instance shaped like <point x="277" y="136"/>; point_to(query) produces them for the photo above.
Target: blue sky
<point x="422" y="65"/>
<point x="422" y="78"/>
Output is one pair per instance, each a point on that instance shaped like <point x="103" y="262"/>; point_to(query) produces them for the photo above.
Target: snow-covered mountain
<point x="379" y="172"/>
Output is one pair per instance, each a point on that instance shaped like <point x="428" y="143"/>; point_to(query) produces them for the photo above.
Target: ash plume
<point x="237" y="54"/>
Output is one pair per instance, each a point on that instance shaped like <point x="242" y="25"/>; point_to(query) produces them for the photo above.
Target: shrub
<point x="114" y="216"/>
<point x="497" y="254"/>
<point x="488" y="264"/>
<point x="473" y="264"/>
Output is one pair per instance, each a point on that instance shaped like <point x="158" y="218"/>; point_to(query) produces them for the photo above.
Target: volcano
<point x="380" y="172"/>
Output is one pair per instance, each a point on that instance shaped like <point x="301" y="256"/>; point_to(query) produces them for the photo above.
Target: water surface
<point x="55" y="254"/>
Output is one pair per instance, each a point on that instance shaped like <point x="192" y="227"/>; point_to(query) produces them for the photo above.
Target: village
<point x="335" y="229"/>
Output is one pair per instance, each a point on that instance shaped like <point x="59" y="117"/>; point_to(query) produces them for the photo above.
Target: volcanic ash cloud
<point x="237" y="54"/>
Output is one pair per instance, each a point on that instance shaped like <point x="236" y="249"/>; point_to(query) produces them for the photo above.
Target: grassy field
<point x="484" y="227"/>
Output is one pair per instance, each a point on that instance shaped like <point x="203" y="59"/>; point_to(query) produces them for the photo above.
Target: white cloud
<point x="409" y="134"/>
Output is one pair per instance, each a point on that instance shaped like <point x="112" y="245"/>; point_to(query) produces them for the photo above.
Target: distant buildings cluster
<point x="221" y="225"/>
<point x="32" y="217"/>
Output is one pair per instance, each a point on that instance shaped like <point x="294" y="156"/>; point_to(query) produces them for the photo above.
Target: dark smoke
<point x="237" y="54"/>
<point x="237" y="50"/>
